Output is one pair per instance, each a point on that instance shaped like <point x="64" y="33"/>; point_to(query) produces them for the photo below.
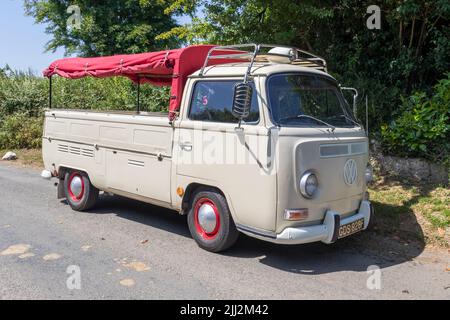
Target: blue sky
<point x="23" y="41"/>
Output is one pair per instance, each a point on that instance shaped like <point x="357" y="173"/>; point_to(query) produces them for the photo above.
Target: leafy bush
<point x="26" y="93"/>
<point x="19" y="130"/>
<point x="117" y="93"/>
<point x="22" y="92"/>
<point x="24" y="96"/>
<point x="422" y="128"/>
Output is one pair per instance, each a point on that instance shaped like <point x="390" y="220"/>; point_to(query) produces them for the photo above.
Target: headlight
<point x="308" y="184"/>
<point x="368" y="174"/>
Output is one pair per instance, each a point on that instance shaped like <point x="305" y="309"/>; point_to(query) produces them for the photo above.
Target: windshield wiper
<point x="350" y="119"/>
<point x="309" y="117"/>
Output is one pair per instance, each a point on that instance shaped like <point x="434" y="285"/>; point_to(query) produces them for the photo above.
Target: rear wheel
<point x="79" y="191"/>
<point x="210" y="221"/>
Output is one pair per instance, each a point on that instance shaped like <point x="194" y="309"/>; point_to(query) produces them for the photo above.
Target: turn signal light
<point x="296" y="214"/>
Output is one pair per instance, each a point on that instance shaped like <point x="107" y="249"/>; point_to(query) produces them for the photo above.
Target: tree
<point x="264" y="21"/>
<point x="410" y="52"/>
<point x="107" y="27"/>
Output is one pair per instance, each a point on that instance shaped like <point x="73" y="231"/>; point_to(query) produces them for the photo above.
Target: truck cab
<point x="266" y="147"/>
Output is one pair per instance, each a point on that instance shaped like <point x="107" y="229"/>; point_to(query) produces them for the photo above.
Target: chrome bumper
<point x="326" y="232"/>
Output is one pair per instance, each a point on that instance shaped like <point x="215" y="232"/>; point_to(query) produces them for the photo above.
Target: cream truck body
<point x="257" y="168"/>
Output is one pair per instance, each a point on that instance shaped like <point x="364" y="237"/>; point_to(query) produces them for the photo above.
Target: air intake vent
<point x="334" y="150"/>
<point x="357" y="148"/>
<point x="347" y="149"/>
<point x="87" y="153"/>
<point x="63" y="148"/>
<point x="76" y="150"/>
<point x="136" y="163"/>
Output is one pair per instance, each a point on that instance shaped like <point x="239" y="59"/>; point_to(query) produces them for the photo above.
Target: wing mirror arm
<point x="355" y="97"/>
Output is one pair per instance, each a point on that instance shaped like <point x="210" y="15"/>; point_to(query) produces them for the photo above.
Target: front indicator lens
<point x="308" y="185"/>
<point x="295" y="214"/>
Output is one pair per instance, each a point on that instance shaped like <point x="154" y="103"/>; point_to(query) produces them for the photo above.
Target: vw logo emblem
<point x="350" y="172"/>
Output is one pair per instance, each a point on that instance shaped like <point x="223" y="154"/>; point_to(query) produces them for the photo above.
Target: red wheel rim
<point x="206" y="234"/>
<point x="75" y="195"/>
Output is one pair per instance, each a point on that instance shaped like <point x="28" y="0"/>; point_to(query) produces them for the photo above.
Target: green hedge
<point x="23" y="97"/>
<point x="19" y="130"/>
<point x="27" y="93"/>
<point x="422" y="126"/>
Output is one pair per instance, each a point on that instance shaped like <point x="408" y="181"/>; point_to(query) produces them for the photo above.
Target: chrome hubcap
<point x="76" y="186"/>
<point x="207" y="218"/>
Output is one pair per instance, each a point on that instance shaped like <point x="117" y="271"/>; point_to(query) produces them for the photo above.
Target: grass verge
<point x="25" y="158"/>
<point x="411" y="212"/>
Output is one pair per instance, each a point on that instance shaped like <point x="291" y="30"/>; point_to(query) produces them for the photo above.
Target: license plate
<point x="350" y="228"/>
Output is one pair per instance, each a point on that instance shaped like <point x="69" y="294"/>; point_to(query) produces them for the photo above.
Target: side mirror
<point x="242" y="100"/>
<point x="355" y="97"/>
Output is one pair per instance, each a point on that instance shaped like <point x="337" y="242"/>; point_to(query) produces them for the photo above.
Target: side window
<point x="213" y="100"/>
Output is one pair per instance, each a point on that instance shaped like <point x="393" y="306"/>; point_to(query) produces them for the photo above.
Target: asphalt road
<point x="132" y="250"/>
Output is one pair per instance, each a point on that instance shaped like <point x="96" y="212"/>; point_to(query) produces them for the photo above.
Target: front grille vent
<point x="342" y="149"/>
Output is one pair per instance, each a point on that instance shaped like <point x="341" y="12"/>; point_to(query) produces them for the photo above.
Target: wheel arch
<point x="62" y="170"/>
<point x="193" y="187"/>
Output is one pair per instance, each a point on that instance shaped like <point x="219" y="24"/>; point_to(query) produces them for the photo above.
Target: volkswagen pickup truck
<point x="258" y="140"/>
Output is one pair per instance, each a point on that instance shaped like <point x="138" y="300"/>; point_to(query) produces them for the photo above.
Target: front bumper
<point x="327" y="232"/>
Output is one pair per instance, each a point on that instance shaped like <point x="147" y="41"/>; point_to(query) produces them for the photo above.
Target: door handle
<point x="186" y="146"/>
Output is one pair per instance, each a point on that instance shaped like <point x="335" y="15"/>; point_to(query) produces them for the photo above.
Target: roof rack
<point x="261" y="53"/>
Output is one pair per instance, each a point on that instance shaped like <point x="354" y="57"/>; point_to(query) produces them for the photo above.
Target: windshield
<point x="307" y="100"/>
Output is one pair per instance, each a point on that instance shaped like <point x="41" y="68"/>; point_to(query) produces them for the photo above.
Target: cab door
<point x="210" y="150"/>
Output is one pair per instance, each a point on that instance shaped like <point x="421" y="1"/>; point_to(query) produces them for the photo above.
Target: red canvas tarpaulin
<point x="163" y="68"/>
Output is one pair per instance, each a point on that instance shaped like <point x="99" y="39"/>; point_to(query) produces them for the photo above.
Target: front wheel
<point x="79" y="191"/>
<point x="210" y="221"/>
